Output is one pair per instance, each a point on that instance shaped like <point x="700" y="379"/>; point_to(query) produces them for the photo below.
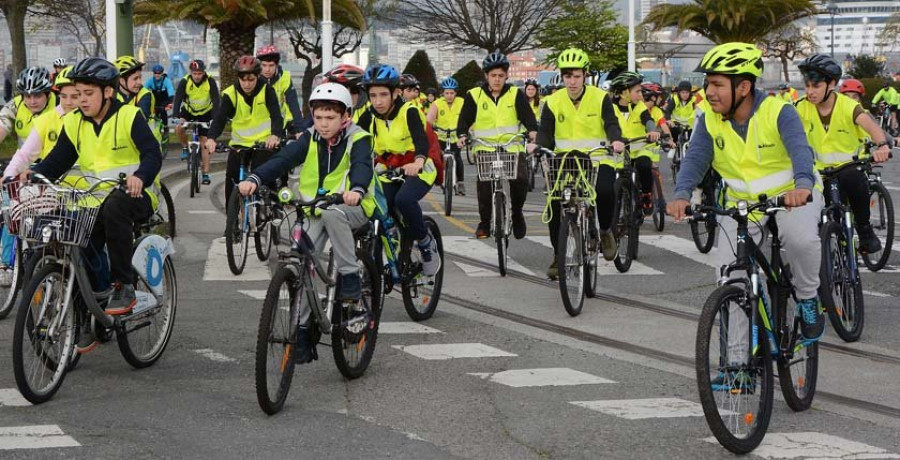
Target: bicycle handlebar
<point x="515" y="138"/>
<point x="322" y="201"/>
<point x="743" y="208"/>
<point x="36" y="178"/>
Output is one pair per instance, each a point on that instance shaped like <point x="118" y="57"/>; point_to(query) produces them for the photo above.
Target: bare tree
<point x="507" y="25"/>
<point x="788" y="44"/>
<point x="306" y="39"/>
<point x="83" y="19"/>
<point x="15" y="11"/>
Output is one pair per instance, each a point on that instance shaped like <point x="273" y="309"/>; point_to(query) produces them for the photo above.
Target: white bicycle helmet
<point x="59" y="62"/>
<point x="334" y="92"/>
<point x="34" y="80"/>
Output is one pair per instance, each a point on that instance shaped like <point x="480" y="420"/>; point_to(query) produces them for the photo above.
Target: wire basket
<point x="578" y="172"/>
<point x="497" y="164"/>
<point x="69" y="214"/>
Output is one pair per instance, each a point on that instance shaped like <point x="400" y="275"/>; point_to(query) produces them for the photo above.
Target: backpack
<point x="435" y="152"/>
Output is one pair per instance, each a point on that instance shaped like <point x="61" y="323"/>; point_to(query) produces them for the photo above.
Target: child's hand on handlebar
<point x="272" y="142"/>
<point x="210" y="145"/>
<point x="414" y="168"/>
<point x="247" y="187"/>
<point x="351" y="198"/>
<point x="653" y="136"/>
<point x="618" y="146"/>
<point x="135" y="186"/>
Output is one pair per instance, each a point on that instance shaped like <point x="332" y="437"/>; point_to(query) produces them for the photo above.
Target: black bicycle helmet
<point x="197" y="64"/>
<point x="532" y="82"/>
<point x="408" y="81"/>
<point x="820" y="67"/>
<point x="495" y="60"/>
<point x="684" y="85"/>
<point x="95" y="71"/>
<point x="625" y="80"/>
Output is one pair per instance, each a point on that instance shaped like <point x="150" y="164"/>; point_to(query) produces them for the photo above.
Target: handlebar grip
<point x="688" y="210"/>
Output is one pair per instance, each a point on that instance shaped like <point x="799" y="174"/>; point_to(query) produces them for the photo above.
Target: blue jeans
<point x="403" y="201"/>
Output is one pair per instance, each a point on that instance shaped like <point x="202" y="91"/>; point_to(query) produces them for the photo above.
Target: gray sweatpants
<point x="799" y="233"/>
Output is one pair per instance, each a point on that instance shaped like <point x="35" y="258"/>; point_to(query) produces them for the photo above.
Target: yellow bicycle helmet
<point x="128" y="64"/>
<point x="62" y="78"/>
<point x="573" y="58"/>
<point x="732" y="59"/>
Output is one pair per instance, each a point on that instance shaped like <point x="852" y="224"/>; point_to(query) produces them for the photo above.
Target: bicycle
<point x="745" y="324"/>
<point x="246" y="215"/>
<point x="387" y="242"/>
<point x="573" y="175"/>
<point x="882" y="219"/>
<point x="499" y="167"/>
<point x="60" y="301"/>
<point x="449" y="184"/>
<point x="658" y="200"/>
<point x="703" y="230"/>
<point x="294" y="289"/>
<point x="682" y="141"/>
<point x="195" y="153"/>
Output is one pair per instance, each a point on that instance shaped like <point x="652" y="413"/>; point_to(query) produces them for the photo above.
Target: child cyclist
<point x="336" y="155"/>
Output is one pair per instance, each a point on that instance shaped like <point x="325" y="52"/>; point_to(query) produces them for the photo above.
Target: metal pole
<point x="631" y="46"/>
<point x="111" y="51"/>
<point x="832" y="34"/>
<point x="125" y="26"/>
<point x="327" y="38"/>
<point x="271" y="33"/>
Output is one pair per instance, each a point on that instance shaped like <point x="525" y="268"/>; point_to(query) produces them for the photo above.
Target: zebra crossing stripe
<point x="216" y="268"/>
<point x="34" y="437"/>
<point x="558" y="376"/>
<point x="443" y="351"/>
<point x="11" y="397"/>
<point x="474" y="249"/>
<point x="606" y="268"/>
<point x="813" y="445"/>
<point x="638" y="409"/>
<point x="405" y="327"/>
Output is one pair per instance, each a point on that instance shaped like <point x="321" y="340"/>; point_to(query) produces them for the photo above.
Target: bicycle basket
<point x="17" y="196"/>
<point x="578" y="171"/>
<point x="70" y="214"/>
<point x="497" y="164"/>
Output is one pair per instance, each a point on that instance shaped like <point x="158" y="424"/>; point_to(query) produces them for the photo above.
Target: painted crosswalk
<point x="554" y="377"/>
<point x="34" y="437"/>
<point x="607" y="268"/>
<point x="216" y="268"/>
<point x="405" y="327"/>
<point x="445" y="351"/>
<point x="814" y="445"/>
<point x="12" y="398"/>
<point x="469" y="247"/>
<point x="637" y="409"/>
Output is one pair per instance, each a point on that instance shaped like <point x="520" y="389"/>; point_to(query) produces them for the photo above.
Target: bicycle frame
<point x="836" y="211"/>
<point x="499" y="184"/>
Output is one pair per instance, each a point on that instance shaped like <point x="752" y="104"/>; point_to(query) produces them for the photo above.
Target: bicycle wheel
<point x="354" y="332"/>
<point x="143" y="338"/>
<point x="882" y="220"/>
<point x="470" y="155"/>
<point x="841" y="296"/>
<point x="624" y="221"/>
<point x="195" y="172"/>
<point x="37" y="353"/>
<point x="735" y="388"/>
<point x="237" y="233"/>
<point x="703" y="231"/>
<point x="449" y="184"/>
<point x="420" y="293"/>
<point x="798" y="369"/>
<point x="501" y="238"/>
<point x="659" y="203"/>
<point x="264" y="235"/>
<point x="530" y="171"/>
<point x="592" y="261"/>
<point x="277" y="335"/>
<point x="570" y="260"/>
<point x="15" y="276"/>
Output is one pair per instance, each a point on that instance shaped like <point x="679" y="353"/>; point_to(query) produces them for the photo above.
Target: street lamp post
<point x="832" y="10"/>
<point x="631" y="45"/>
<point x="327" y="38"/>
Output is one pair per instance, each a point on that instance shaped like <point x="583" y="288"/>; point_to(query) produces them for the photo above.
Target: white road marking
<point x="606" y="268"/>
<point x="478" y="272"/>
<point x="895" y="189"/>
<point x="876" y="294"/>
<point x="680" y="246"/>
<point x="478" y="250"/>
<point x="453" y="350"/>
<point x="549" y="377"/>
<point x="212" y="355"/>
<point x="636" y="409"/>
<point x="202" y="211"/>
<point x="814" y="445"/>
<point x="34" y="437"/>
<point x="217" y="265"/>
<point x="12" y="397"/>
<point x="405" y="327"/>
<point x="258" y="294"/>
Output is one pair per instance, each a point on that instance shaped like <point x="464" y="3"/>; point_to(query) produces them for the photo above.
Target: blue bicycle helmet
<point x="449" y="83"/>
<point x="158" y="69"/>
<point x="381" y="75"/>
<point x="495" y="60"/>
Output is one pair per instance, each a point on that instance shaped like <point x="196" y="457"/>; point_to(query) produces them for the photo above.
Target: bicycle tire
<point x="11" y="292"/>
<point x="25" y="320"/>
<point x="159" y="321"/>
<point x="704" y="237"/>
<point x="501" y="238"/>
<point x="263" y="237"/>
<point x="570" y="263"/>
<point x="195" y="172"/>
<point x="449" y="185"/>
<point x="842" y="299"/>
<point x="470" y="155"/>
<point x="410" y="286"/>
<point x="530" y="171"/>
<point x="624" y="221"/>
<point x="706" y="328"/>
<point x="236" y="239"/>
<point x="343" y="339"/>
<point x="285" y="276"/>
<point x="885" y="224"/>
<point x="798" y="390"/>
<point x="168" y="214"/>
<point x="659" y="203"/>
<point x="591" y="264"/>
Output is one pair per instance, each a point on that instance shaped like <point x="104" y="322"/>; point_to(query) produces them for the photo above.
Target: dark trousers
<point x="232" y="169"/>
<point x="644" y="167"/>
<point x="518" y="190"/>
<point x="606" y="201"/>
<point x="403" y="201"/>
<point x="457" y="157"/>
<point x="115" y="227"/>
<point x="854" y="187"/>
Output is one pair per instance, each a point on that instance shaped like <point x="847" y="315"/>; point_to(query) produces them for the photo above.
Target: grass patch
<point x="8" y="147"/>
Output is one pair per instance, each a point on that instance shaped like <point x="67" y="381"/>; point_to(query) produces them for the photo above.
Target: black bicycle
<point x="703" y="230"/>
<point x="746" y="323"/>
<point x="681" y="145"/>
<point x="881" y="207"/>
<point x="194" y="153"/>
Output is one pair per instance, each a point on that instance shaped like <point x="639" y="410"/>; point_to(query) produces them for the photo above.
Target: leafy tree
<point x="237" y="20"/>
<point x="866" y="66"/>
<point x="420" y="66"/>
<point x="590" y="26"/>
<point x="723" y="21"/>
<point x="469" y="76"/>
<point x="788" y="44"/>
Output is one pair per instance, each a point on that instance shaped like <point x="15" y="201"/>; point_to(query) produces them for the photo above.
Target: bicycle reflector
<point x="285" y="195"/>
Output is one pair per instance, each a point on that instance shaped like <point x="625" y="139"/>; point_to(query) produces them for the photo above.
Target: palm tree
<point x="237" y="20"/>
<point x="723" y="21"/>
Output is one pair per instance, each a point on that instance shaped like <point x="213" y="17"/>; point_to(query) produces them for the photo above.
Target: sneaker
<point x="812" y="325"/>
<point x="738" y="382"/>
<point x="206" y="180"/>
<point x="670" y="154"/>
<point x="304" y="351"/>
<point x="608" y="245"/>
<point x="431" y="260"/>
<point x="122" y="300"/>
<point x="553" y="271"/>
<point x="460" y="189"/>
<point x="185" y="154"/>
<point x="6" y="277"/>
<point x="483" y="231"/>
<point x="647" y="203"/>
<point x="351" y="287"/>
<point x="518" y="225"/>
<point x="868" y="240"/>
<point x="86" y="340"/>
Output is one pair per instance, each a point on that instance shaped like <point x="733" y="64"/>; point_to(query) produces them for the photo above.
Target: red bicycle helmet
<point x="268" y="53"/>
<point x="198" y="64"/>
<point x="651" y="89"/>
<point x="852" y="85"/>
<point x="246" y="65"/>
<point x="345" y="74"/>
